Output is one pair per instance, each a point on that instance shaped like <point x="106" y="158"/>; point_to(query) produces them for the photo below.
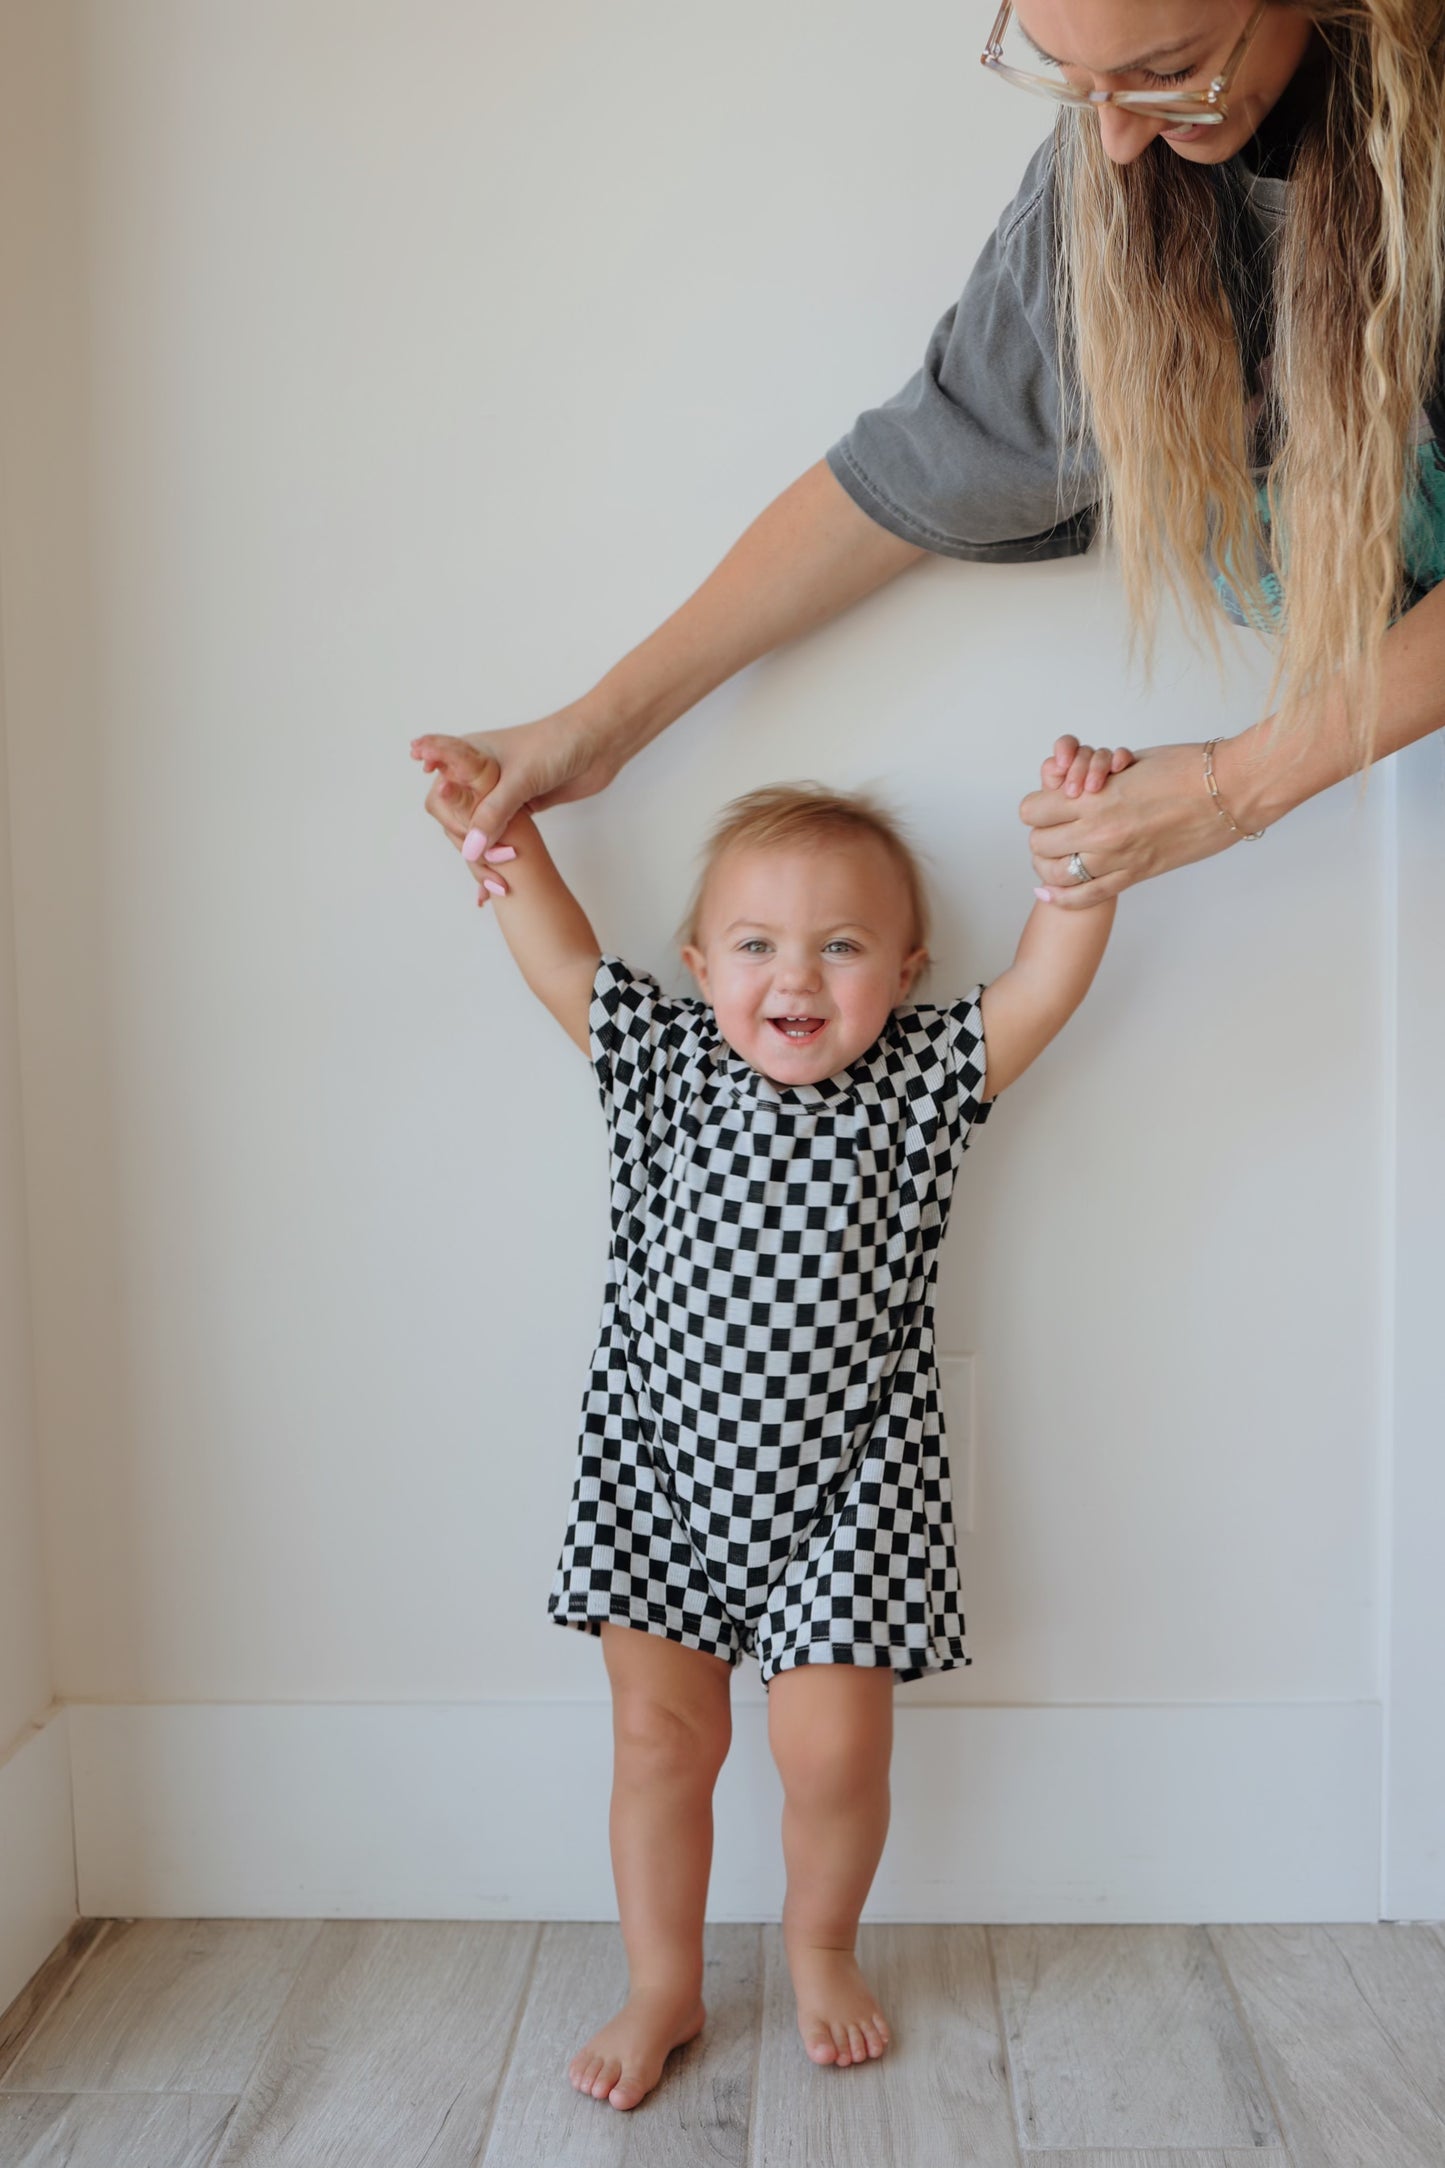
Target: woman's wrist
<point x="1260" y="776"/>
<point x="618" y="718"/>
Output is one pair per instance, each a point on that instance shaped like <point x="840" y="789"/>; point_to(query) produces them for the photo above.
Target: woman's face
<point x="1169" y="45"/>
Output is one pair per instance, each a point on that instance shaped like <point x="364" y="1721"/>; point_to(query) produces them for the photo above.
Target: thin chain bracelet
<point x="1250" y="835"/>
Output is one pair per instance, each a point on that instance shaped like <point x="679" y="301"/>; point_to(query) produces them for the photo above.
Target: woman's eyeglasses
<point x="1204" y="108"/>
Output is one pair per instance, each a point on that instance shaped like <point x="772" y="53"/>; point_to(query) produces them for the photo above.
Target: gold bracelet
<point x="1250" y="835"/>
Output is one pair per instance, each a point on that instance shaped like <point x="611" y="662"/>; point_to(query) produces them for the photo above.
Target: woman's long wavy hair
<point x="1157" y="323"/>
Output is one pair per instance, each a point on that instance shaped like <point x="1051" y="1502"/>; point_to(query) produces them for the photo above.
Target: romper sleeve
<point x="968" y="1057"/>
<point x="946" y="1064"/>
<point x="638" y="1036"/>
<point x="965" y="459"/>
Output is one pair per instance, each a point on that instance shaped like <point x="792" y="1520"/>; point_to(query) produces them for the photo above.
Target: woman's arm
<point x="1159" y="814"/>
<point x="809" y="556"/>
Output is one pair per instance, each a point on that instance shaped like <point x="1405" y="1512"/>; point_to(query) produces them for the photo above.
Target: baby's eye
<point x="846" y="948"/>
<point x="754" y="947"/>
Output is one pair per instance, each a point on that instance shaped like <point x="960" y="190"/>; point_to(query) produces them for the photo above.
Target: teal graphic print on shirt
<point x="1422" y="545"/>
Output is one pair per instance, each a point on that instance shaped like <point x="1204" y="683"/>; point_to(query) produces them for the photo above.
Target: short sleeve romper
<point x="762" y="1466"/>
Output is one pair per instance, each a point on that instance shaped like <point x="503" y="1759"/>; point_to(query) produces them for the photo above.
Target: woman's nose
<point x="1124" y="134"/>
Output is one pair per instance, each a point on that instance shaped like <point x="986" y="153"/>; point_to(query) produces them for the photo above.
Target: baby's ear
<point x="914" y="966"/>
<point x="696" y="963"/>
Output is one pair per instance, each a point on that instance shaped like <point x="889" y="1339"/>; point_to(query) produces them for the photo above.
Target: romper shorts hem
<point x="907" y="1661"/>
<point x="649" y="1618"/>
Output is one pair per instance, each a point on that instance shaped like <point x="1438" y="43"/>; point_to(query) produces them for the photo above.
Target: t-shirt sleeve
<point x="636" y="1033"/>
<point x="965" y="459"/>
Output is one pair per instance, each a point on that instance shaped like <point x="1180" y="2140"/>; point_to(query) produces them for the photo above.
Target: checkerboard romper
<point x="763" y="1466"/>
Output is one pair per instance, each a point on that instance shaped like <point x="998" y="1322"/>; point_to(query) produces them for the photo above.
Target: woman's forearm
<point x="1265" y="773"/>
<point x="809" y="556"/>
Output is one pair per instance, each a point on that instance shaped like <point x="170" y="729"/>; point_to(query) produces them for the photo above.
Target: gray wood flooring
<point x="418" y="2044"/>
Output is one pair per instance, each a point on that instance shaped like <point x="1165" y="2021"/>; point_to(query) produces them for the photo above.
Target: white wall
<point x="37" y="1874"/>
<point x="430" y="354"/>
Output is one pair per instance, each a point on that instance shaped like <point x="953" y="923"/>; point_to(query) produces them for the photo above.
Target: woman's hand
<point x="533" y="765"/>
<point x="463" y="778"/>
<point x="1154" y="814"/>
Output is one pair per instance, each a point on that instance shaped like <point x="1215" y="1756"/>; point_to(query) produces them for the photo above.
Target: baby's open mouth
<point x="797" y="1027"/>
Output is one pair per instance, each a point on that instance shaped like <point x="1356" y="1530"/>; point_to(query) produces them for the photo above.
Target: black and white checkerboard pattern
<point x="763" y="1467"/>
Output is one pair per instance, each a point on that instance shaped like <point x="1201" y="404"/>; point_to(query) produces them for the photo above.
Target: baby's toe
<point x="857" y="2045"/>
<point x="875" y="2032"/>
<point x="608" y="2072"/>
<point x="629" y="2089"/>
<point x="820" y="2044"/>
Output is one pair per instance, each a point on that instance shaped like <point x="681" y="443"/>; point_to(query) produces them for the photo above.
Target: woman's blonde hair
<point x="1156" y="321"/>
<point x="784" y="815"/>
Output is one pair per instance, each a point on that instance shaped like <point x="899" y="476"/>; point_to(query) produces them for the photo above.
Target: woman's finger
<point x="1101" y="767"/>
<point x="490" y="882"/>
<point x="1054" y="872"/>
<point x="1082" y="895"/>
<point x="1123" y="759"/>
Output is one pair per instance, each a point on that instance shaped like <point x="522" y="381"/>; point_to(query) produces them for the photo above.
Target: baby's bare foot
<point x="622" y="2063"/>
<point x="838" y="2016"/>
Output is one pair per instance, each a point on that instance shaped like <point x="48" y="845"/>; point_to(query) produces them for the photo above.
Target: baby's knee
<point x="821" y="1771"/>
<point x="831" y="1734"/>
<point x="662" y="1741"/>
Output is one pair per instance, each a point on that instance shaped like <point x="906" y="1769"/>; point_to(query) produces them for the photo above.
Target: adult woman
<point x="1230" y="259"/>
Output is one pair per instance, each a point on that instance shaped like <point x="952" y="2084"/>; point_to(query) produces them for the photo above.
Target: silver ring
<point x="1078" y="871"/>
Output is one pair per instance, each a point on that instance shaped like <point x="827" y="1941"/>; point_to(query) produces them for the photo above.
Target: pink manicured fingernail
<point x="474" y="846"/>
<point x="494" y="888"/>
<point x="1043" y="895"/>
<point x="500" y="855"/>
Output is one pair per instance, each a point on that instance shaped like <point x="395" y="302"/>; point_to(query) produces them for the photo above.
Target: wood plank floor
<point x="434" y="2044"/>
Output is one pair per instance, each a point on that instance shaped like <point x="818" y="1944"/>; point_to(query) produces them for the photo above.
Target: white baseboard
<point x="37" y="1853"/>
<point x="499" y="1810"/>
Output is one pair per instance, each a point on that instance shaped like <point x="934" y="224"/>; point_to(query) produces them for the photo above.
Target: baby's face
<point x="803" y="952"/>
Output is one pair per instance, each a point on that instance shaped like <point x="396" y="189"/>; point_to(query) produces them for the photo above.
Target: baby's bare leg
<point x="831" y="1730"/>
<point x="671" y="1725"/>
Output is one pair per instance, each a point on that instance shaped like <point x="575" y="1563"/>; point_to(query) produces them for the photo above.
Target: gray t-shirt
<point x="965" y="459"/>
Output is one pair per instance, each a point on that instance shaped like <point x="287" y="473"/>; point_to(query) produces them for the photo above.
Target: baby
<point x="763" y="1468"/>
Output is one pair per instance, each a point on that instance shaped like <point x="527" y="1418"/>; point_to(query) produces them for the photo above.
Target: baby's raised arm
<point x="1053" y="968"/>
<point x="542" y="922"/>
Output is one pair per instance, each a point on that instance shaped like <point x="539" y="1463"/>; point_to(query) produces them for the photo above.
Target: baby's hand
<point x="463" y="778"/>
<point x="1073" y="767"/>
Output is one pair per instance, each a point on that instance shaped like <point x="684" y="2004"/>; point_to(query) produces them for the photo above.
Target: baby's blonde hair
<point x="792" y="813"/>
